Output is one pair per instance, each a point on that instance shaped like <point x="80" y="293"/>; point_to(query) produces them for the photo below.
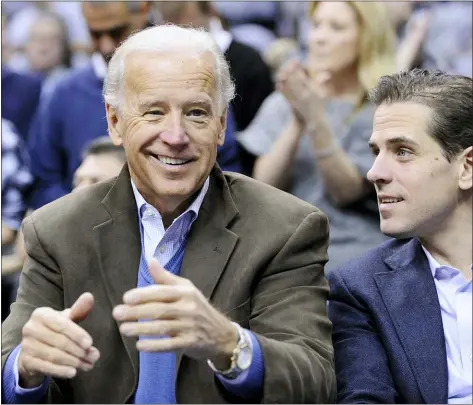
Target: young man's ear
<point x="466" y="169"/>
<point x="223" y="127"/>
<point x="114" y="127"/>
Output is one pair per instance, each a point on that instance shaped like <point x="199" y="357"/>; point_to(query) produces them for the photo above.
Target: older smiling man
<point x="174" y="282"/>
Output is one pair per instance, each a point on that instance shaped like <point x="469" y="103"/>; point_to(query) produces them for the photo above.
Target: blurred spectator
<point x="101" y="161"/>
<point x="47" y="50"/>
<point x="23" y="19"/>
<point x="436" y="35"/>
<point x="20" y="99"/>
<point x="74" y="114"/>
<point x="20" y="92"/>
<point x="16" y="181"/>
<point x="251" y="75"/>
<point x="312" y="135"/>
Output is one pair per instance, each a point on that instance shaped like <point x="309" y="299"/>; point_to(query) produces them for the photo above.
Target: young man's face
<point x="418" y="188"/>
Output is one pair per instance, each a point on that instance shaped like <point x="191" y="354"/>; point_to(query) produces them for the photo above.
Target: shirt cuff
<point x="249" y="384"/>
<point x="41" y="389"/>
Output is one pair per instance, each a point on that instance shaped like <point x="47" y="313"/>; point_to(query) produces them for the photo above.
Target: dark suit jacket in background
<point x="257" y="253"/>
<point x="387" y="328"/>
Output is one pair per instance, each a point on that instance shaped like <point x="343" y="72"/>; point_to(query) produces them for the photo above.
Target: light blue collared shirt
<point x="162" y="244"/>
<point x="455" y="298"/>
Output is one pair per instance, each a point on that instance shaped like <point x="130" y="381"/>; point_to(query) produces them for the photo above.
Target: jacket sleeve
<point x="45" y="149"/>
<point x="361" y="362"/>
<point x="289" y="319"/>
<point x="40" y="286"/>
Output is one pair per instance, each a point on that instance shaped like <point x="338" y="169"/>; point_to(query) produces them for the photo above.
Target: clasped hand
<point x="175" y="309"/>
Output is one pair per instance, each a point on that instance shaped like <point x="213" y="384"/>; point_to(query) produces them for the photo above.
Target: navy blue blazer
<point x="387" y="328"/>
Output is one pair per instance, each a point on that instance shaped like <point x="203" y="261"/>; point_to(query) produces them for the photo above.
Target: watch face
<point x="244" y="358"/>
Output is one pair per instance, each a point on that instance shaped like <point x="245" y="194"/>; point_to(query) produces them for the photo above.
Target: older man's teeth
<point x="171" y="161"/>
<point x="390" y="200"/>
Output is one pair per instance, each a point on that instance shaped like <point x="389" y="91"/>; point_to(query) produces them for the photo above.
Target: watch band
<point x="243" y="345"/>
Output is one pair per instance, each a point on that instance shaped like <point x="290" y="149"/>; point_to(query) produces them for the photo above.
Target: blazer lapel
<point x="410" y="296"/>
<point x="210" y="244"/>
<point x="119" y="250"/>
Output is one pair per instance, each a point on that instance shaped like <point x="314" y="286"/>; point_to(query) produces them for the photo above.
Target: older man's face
<point x="170" y="125"/>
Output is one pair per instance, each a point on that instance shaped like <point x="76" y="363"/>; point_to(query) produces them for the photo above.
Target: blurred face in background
<point x="95" y="168"/>
<point x="111" y="23"/>
<point x="334" y="37"/>
<point x="45" y="47"/>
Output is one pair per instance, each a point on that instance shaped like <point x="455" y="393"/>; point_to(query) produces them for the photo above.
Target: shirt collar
<point x="99" y="65"/>
<point x="435" y="266"/>
<point x="194" y="207"/>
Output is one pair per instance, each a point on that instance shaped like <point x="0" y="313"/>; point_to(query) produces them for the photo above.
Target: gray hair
<point x="168" y="38"/>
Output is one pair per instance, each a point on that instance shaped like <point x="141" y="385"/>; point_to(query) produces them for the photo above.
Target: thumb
<point x="161" y="275"/>
<point x="81" y="308"/>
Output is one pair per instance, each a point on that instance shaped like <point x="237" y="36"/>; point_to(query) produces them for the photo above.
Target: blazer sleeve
<point x="361" y="362"/>
<point x="40" y="286"/>
<point x="289" y="319"/>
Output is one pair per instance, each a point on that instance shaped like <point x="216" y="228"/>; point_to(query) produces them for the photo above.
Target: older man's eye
<point x="154" y="112"/>
<point x="197" y="113"/>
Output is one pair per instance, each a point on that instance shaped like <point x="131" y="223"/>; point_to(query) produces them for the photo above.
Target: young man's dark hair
<point x="104" y="145"/>
<point x="449" y="96"/>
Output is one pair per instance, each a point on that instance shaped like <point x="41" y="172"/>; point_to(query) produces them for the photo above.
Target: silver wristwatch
<point x="241" y="358"/>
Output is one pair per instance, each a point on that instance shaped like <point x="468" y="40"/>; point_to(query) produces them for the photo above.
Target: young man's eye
<point x="404" y="152"/>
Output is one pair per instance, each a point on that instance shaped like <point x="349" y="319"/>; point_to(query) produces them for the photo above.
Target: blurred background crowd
<point x="54" y="131"/>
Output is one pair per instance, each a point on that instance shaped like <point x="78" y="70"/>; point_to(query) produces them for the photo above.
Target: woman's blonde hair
<point x="377" y="42"/>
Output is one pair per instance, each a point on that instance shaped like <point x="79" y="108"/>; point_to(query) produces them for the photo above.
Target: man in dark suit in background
<point x="402" y="313"/>
<point x="201" y="286"/>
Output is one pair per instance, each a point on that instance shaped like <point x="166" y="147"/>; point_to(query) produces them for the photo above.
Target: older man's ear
<point x="223" y="127"/>
<point x="113" y="125"/>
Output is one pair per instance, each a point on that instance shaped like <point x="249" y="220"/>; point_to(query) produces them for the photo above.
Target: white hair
<point x="168" y="38"/>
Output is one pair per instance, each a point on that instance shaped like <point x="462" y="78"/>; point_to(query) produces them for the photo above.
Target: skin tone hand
<point x="54" y="345"/>
<point x="300" y="90"/>
<point x="175" y="309"/>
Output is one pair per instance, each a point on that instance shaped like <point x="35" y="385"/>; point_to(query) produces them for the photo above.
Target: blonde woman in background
<point x="311" y="136"/>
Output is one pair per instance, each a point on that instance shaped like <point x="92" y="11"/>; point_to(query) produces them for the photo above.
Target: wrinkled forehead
<point x="166" y="75"/>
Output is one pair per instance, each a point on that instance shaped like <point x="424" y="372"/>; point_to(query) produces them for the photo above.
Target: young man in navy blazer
<point x="402" y="313"/>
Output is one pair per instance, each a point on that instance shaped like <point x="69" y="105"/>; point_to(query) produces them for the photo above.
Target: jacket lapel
<point x="119" y="250"/>
<point x="210" y="244"/>
<point x="410" y="296"/>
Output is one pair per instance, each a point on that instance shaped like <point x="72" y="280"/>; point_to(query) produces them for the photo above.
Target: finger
<point x="82" y="307"/>
<point x="162" y="276"/>
<point x="154" y="293"/>
<point x="53" y="355"/>
<point x="165" y="345"/>
<point x="49" y="369"/>
<point x="147" y="311"/>
<point x="60" y="324"/>
<point x="155" y="328"/>
<point x="47" y="336"/>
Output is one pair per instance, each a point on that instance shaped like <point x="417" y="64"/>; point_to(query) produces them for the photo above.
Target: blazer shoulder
<point x="79" y="207"/>
<point x="371" y="262"/>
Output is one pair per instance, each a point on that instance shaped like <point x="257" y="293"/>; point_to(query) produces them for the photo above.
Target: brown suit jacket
<point x="256" y="252"/>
